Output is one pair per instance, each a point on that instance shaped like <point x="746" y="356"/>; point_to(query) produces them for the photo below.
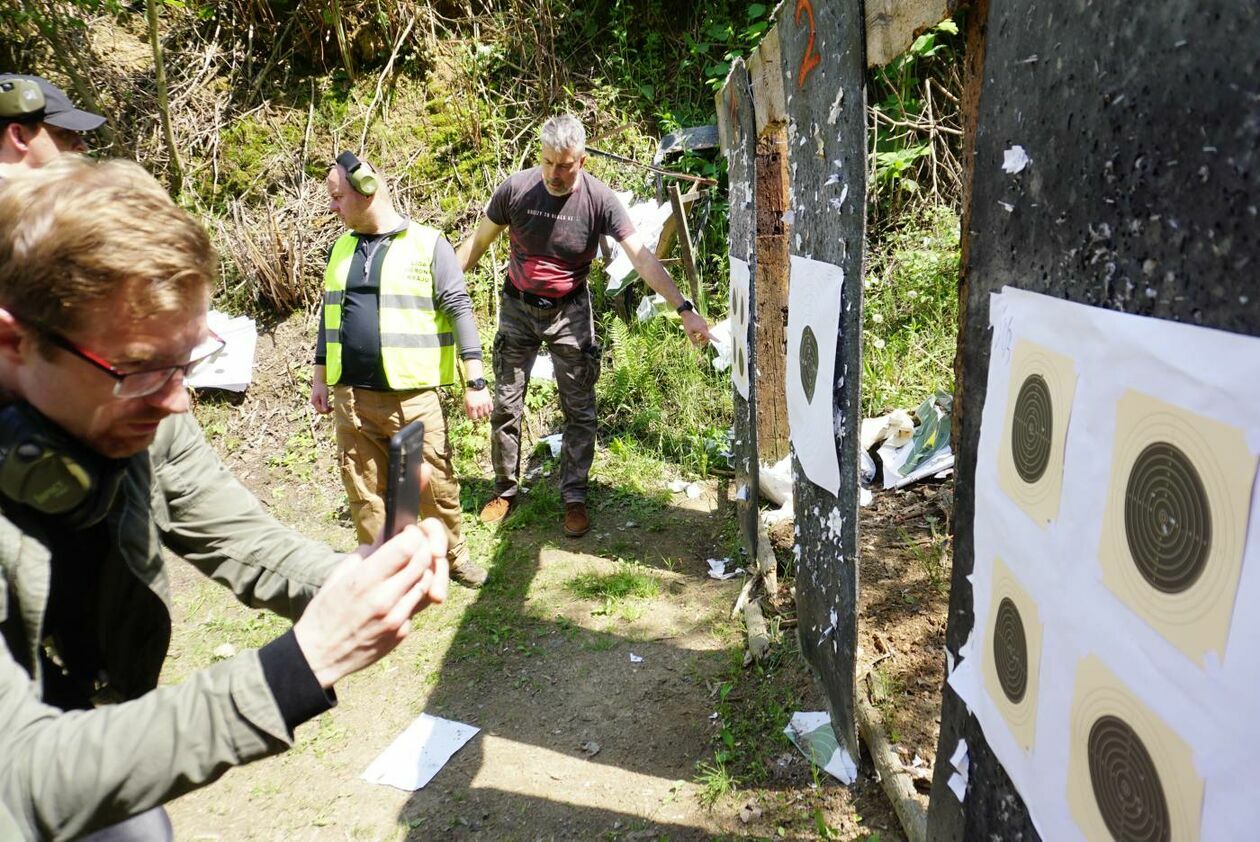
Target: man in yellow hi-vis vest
<point x="395" y="310"/>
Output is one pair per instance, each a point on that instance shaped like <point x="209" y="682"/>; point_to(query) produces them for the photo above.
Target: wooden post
<point x="684" y="247"/>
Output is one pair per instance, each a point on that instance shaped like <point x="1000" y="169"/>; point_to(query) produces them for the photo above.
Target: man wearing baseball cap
<point x="38" y="122"/>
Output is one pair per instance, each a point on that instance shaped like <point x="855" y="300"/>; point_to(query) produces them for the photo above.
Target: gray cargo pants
<point x="568" y="331"/>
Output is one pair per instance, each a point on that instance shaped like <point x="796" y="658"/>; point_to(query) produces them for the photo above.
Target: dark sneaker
<point x="576" y="523"/>
<point x="468" y="574"/>
<point x="496" y="510"/>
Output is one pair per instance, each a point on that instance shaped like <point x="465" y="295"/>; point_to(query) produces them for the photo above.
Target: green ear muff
<point x="43" y="467"/>
<point x="360" y="174"/>
<point x="20" y="99"/>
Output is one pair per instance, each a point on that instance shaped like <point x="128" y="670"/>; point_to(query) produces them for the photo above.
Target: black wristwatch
<point x="684" y="307"/>
<point x="477" y="384"/>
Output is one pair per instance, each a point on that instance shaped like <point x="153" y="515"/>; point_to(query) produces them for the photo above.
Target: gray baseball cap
<point x="59" y="111"/>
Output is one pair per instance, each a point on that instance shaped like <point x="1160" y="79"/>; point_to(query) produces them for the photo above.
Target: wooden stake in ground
<point x="164" y="108"/>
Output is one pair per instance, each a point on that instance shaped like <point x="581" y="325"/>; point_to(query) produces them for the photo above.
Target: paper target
<point x="1030" y="466"/>
<point x="740" y="318"/>
<point x="1130" y="776"/>
<point x="1176" y="520"/>
<point x="1012" y="653"/>
<point x="814" y="294"/>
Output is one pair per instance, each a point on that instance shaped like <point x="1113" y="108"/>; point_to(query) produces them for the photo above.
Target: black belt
<point x="540" y="301"/>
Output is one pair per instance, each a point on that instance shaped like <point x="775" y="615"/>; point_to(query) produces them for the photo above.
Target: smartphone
<point x="402" y="491"/>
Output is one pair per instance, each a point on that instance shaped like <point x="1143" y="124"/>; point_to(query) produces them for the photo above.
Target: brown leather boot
<point x="576" y="523"/>
<point x="497" y="509"/>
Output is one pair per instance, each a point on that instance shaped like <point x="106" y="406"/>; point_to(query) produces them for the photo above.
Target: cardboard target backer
<point x="1130" y="776"/>
<point x="1030" y="469"/>
<point x="739" y="326"/>
<point x="813" y="327"/>
<point x="1176" y="520"/>
<point x="1012" y="653"/>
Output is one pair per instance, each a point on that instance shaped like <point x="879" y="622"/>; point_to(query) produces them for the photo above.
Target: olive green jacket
<point x="63" y="774"/>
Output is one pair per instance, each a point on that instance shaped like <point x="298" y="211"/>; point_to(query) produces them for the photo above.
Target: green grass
<point x="627" y="582"/>
<point x="910" y="312"/>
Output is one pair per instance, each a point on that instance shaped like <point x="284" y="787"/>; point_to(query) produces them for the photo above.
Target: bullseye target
<point x="1011" y="658"/>
<point x="740" y="324"/>
<point x="1030" y="463"/>
<point x="1130" y="776"/>
<point x="1176" y="520"/>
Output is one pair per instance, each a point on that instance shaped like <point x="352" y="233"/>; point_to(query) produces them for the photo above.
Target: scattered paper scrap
<point x="224" y="651"/>
<point x="635" y="659"/>
<point x="692" y="491"/>
<point x="419" y="753"/>
<point x="678" y="486"/>
<point x="1014" y="160"/>
<point x="961" y="762"/>
<point x="553" y="443"/>
<point x="542" y="368"/>
<point x="717" y="569"/>
<point x="958" y="785"/>
<point x="811" y="733"/>
<point x="749" y="812"/>
<point x="590" y="748"/>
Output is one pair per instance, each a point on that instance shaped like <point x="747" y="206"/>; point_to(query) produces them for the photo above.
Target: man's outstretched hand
<point x="364" y="610"/>
<point x="697" y="328"/>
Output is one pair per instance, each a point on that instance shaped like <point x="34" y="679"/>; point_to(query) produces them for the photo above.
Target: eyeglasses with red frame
<point x="138" y="384"/>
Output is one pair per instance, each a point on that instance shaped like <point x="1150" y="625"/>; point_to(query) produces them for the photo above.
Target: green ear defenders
<point x="20" y="99"/>
<point x="360" y="174"/>
<point x="44" y="468"/>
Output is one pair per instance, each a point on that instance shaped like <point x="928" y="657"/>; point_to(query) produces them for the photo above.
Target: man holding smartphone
<point x="555" y="214"/>
<point x="104" y="288"/>
<point x="395" y="309"/>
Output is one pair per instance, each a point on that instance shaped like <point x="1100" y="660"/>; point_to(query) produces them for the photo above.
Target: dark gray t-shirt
<point x="555" y="238"/>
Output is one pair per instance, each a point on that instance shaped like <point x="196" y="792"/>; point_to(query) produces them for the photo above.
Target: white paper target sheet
<point x="1114" y="664"/>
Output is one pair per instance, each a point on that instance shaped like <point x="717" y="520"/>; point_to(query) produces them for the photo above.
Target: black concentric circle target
<point x="1126" y="783"/>
<point x="1032" y="428"/>
<point x="1167" y="518"/>
<point x="1010" y="651"/>
<point x="808" y="356"/>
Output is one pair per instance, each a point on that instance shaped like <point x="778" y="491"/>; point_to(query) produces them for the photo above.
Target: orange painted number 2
<point x="811" y="58"/>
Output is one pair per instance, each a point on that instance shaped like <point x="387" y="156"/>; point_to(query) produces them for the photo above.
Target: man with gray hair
<point x="555" y="214"/>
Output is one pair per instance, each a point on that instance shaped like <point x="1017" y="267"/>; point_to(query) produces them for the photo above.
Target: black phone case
<point x="402" y="492"/>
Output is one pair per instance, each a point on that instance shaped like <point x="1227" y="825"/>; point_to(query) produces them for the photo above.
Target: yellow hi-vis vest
<point x="417" y="341"/>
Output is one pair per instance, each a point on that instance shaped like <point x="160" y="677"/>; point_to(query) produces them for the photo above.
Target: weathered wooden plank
<point x="892" y="25"/>
<point x="770" y="186"/>
<point x="1141" y="196"/>
<point x="737" y="128"/>
<point x="769" y="101"/>
<point x="823" y="77"/>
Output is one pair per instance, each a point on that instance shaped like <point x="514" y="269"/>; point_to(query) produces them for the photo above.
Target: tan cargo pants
<point x="365" y="422"/>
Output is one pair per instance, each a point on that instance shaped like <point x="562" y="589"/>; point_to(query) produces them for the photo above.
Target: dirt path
<point x="539" y="660"/>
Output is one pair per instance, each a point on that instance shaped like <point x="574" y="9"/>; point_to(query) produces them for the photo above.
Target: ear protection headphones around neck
<point x="46" y="469"/>
<point x="360" y="174"/>
<point x="20" y="99"/>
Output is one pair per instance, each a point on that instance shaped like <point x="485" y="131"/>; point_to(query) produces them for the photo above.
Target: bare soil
<point x="576" y="741"/>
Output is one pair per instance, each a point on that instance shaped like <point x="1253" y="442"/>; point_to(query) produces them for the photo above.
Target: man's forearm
<point x="655" y="276"/>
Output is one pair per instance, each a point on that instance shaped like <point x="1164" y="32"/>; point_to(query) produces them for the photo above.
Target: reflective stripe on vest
<point x="417" y="341"/>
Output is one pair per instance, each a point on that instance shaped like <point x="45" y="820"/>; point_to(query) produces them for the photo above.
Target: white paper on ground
<point x="814" y="299"/>
<point x="1207" y="705"/>
<point x="419" y="753"/>
<point x="717" y="569"/>
<point x="894" y="457"/>
<point x="811" y="733"/>
<point x="542" y="369"/>
<point x="233" y="367"/>
<point x="553" y="442"/>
